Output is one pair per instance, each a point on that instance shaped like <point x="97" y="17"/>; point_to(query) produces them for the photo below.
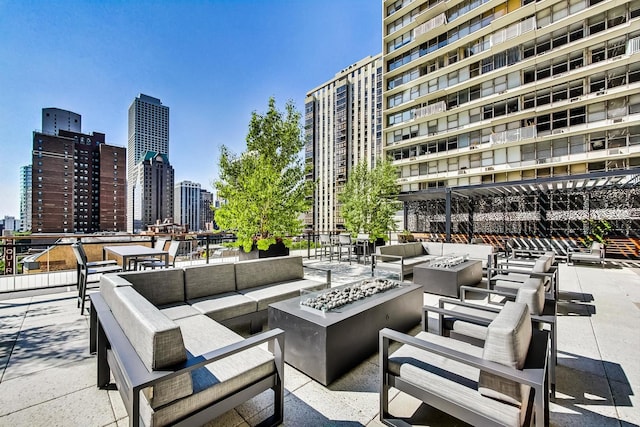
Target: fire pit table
<point x="329" y="332"/>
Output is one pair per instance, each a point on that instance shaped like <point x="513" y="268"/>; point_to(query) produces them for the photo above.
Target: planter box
<point x="279" y="249"/>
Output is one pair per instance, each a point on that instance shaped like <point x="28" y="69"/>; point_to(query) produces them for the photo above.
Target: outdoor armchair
<point x="467" y="320"/>
<point x="503" y="383"/>
<point x="510" y="279"/>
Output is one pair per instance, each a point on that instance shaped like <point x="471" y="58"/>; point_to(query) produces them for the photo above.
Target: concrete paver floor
<point x="47" y="376"/>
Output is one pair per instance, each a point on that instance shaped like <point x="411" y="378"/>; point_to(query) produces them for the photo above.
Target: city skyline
<point x="212" y="63"/>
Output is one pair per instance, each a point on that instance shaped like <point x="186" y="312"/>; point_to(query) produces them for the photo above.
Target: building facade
<point x="206" y="212"/>
<point x="9" y="224"/>
<point x="148" y="131"/>
<point x="78" y="183"/>
<point x="54" y="119"/>
<point x="152" y="192"/>
<point x="500" y="93"/>
<point x="342" y="128"/>
<point x="187" y="204"/>
<point x="25" y="197"/>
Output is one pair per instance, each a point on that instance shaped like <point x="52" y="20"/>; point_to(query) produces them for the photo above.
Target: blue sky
<point x="211" y="62"/>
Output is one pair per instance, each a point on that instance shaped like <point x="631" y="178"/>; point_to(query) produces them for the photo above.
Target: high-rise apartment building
<point x="342" y="128"/>
<point x="505" y="109"/>
<point x="148" y="132"/>
<point x="25" y="198"/>
<point x="187" y="204"/>
<point x="54" y="119"/>
<point x="78" y="183"/>
<point x="152" y="196"/>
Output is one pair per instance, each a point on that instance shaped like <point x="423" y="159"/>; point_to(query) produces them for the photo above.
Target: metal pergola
<point x="601" y="180"/>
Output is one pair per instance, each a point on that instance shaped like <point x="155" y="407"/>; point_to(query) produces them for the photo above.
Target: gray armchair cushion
<point x="160" y="287"/>
<point x="532" y="293"/>
<point x="254" y="273"/>
<point x="507" y="343"/>
<point x="212" y="279"/>
<point x="449" y="379"/>
<point x="542" y="265"/>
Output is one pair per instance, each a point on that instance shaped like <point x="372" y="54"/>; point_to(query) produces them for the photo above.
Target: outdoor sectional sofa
<point x="161" y="334"/>
<point x="401" y="258"/>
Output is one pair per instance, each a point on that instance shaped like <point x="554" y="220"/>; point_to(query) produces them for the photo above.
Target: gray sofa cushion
<point x="395" y="250"/>
<point x="224" y="306"/>
<point x="211" y="279"/>
<point x="178" y="310"/>
<point x="452" y="380"/>
<point x="254" y="273"/>
<point x="433" y="248"/>
<point x="269" y="294"/>
<point x="218" y="379"/>
<point x="160" y="287"/>
<point x="414" y="249"/>
<point x="507" y="343"/>
<point x="156" y="339"/>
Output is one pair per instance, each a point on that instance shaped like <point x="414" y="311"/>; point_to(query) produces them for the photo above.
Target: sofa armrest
<point x="399" y="257"/>
<point x="328" y="271"/>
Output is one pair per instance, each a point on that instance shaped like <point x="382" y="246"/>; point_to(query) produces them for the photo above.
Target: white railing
<point x="633" y="46"/>
<point x="430" y="109"/>
<point x="431" y="24"/>
<point x="513" y="31"/>
<point x="513" y="135"/>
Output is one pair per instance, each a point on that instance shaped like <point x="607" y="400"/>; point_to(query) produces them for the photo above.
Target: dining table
<point x="130" y="253"/>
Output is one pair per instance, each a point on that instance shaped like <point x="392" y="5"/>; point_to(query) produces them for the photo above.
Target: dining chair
<point x="160" y="263"/>
<point x="85" y="269"/>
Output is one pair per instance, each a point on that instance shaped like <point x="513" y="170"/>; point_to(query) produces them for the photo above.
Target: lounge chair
<point x="503" y="383"/>
<point x="462" y="319"/>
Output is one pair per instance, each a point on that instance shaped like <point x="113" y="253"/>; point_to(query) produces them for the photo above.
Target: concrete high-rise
<point x="25" y="197"/>
<point x="490" y="94"/>
<point x="187" y="204"/>
<point x="78" y="183"/>
<point x="342" y="128"/>
<point x="54" y="119"/>
<point x="148" y="132"/>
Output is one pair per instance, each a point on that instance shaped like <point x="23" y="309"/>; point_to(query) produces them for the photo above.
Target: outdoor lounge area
<point x="49" y="376"/>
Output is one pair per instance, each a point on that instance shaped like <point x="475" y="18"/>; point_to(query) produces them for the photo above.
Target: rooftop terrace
<point x="47" y="376"/>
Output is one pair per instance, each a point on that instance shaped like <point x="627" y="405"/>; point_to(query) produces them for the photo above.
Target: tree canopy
<point x="264" y="188"/>
<point x="369" y="200"/>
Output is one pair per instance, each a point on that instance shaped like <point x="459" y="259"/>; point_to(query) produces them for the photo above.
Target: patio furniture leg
<point x="101" y="357"/>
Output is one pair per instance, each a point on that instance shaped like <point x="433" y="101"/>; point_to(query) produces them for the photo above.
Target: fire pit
<point x="341" y="296"/>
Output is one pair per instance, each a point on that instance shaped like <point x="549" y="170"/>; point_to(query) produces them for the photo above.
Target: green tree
<point x="369" y="200"/>
<point x="265" y="188"/>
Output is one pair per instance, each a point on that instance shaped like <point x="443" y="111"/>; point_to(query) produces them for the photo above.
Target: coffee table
<point x="326" y="345"/>
<point x="447" y="280"/>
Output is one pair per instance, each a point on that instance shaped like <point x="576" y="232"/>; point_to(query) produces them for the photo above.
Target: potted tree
<point x="264" y="188"/>
<point x="369" y="201"/>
